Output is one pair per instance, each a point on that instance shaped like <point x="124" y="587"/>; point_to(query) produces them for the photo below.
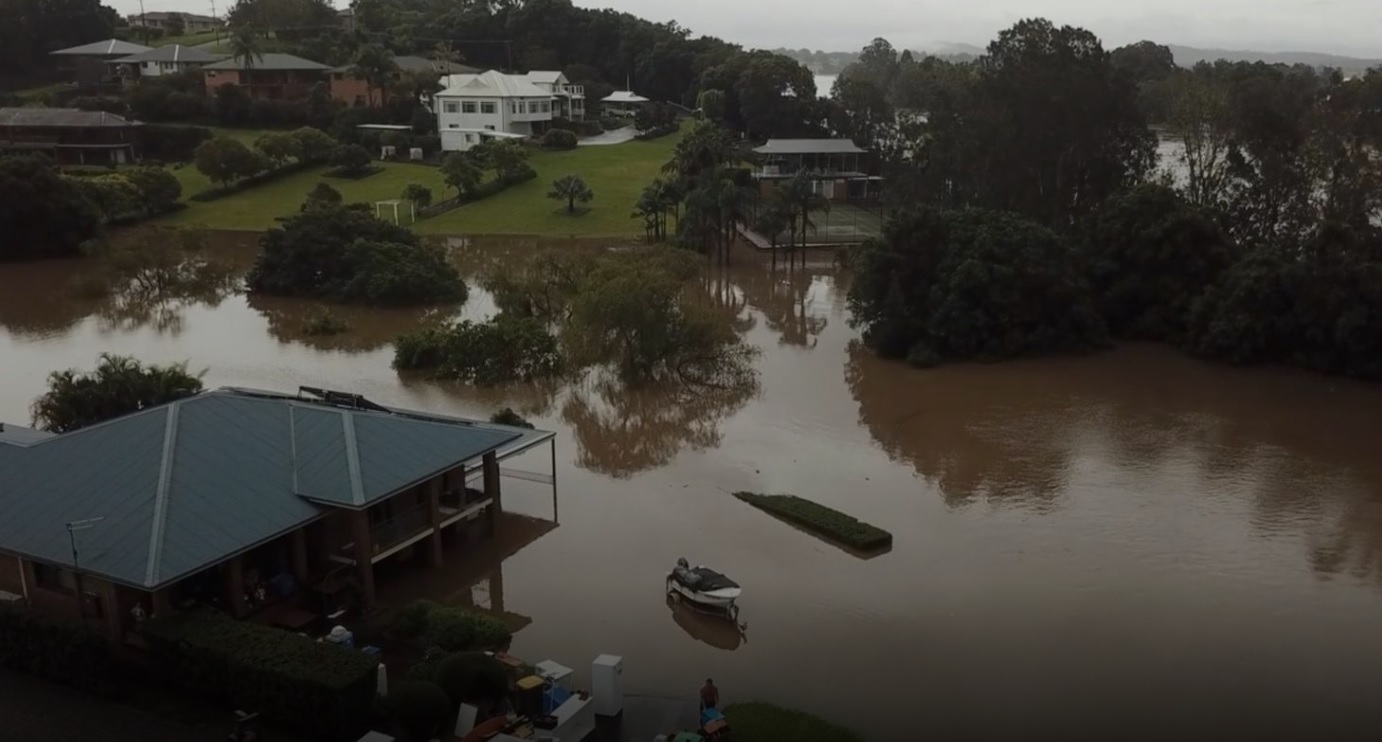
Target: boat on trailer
<point x="704" y="588"/>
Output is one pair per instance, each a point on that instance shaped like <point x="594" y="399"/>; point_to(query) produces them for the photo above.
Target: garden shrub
<point x="508" y="416"/>
<point x="821" y="520"/>
<point x="450" y="629"/>
<point x="318" y="690"/>
<point x="65" y="653"/>
<point x="411" y="620"/>
<point x="559" y="139"/>
<point x="496" y="351"/>
<point x="468" y="677"/>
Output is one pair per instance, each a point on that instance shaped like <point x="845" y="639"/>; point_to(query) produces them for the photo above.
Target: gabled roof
<point x="624" y="96"/>
<point x="61" y="117"/>
<point x="548" y="77"/>
<point x="491" y="84"/>
<point x="189" y="484"/>
<point x="107" y="48"/>
<point x="269" y="61"/>
<point x="18" y="435"/>
<point x="809" y="147"/>
<point x="173" y="53"/>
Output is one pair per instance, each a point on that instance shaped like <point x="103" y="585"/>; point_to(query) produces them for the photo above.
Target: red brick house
<point x="253" y="502"/>
<point x="268" y="76"/>
<point x="70" y="136"/>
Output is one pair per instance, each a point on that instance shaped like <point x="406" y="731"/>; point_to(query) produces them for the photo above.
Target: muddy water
<point x="1131" y="543"/>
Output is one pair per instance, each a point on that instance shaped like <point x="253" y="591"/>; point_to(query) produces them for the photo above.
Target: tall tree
<point x="118" y="386"/>
<point x="374" y="64"/>
<point x="42" y="215"/>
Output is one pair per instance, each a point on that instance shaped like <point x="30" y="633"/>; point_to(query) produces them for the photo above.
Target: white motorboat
<point x="704" y="587"/>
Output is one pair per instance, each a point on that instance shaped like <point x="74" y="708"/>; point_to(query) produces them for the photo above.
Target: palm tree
<point x="707" y="146"/>
<point x="800" y="198"/>
<point x="656" y="202"/>
<point x="374" y="64"/>
<point x="444" y="54"/>
<point x="571" y="188"/>
<point x="247" y="49"/>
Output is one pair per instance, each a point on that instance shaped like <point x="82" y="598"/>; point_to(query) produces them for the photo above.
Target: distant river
<point x="823" y="85"/>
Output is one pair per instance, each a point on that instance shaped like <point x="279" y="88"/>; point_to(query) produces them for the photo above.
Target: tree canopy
<point x="346" y="255"/>
<point x="117" y="386"/>
<point x="42" y="214"/>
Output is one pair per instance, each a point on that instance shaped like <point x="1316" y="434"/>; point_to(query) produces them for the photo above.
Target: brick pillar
<point x="434" y="509"/>
<point x="162" y="602"/>
<point x="301" y="568"/>
<point x="364" y="554"/>
<point x="490" y="467"/>
<point x="233" y="579"/>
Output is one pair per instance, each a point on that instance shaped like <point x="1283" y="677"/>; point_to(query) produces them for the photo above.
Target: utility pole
<point x="72" y="528"/>
<point x="144" y="22"/>
<point x="215" y="24"/>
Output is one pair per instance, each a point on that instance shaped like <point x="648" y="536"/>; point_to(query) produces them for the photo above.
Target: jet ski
<point x="704" y="587"/>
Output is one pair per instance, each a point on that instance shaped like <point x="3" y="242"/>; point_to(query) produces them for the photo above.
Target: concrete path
<point x="618" y="136"/>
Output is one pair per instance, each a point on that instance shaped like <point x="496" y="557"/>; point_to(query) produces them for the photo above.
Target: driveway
<point x="618" y="136"/>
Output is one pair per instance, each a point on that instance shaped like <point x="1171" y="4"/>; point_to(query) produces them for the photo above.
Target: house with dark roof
<point x="254" y="502"/>
<point x="271" y="76"/>
<point x="164" y="60"/>
<point x="88" y="64"/>
<point x="72" y="136"/>
<point x="352" y="90"/>
<point x="839" y="169"/>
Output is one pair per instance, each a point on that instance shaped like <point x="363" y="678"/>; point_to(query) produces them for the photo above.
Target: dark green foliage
<point x="1150" y="256"/>
<point x="1316" y="306"/>
<point x="118" y="386"/>
<point x="313" y="145"/>
<point x="420" y="709"/>
<point x="322" y="196"/>
<point x="559" y="139"/>
<point x="351" y="160"/>
<point x="508" y="416"/>
<point x="173" y="143"/>
<point x="821" y="520"/>
<point x="66" y="653"/>
<point x="319" y="690"/>
<point x="971" y="284"/>
<point x="449" y="629"/>
<point x="42" y="215"/>
<point x="411" y="620"/>
<point x="654" y="117"/>
<point x="497" y="351"/>
<point x="346" y="255"/>
<point x="765" y="722"/>
<point x="159" y="190"/>
<point x="224" y="160"/>
<point x="470" y="677"/>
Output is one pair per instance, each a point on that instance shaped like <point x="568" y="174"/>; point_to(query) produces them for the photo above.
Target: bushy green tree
<point x="461" y="171"/>
<point x="351" y="159"/>
<point x="42" y="214"/>
<point x="347" y="255"/>
<point x="118" y="386"/>
<point x="418" y="193"/>
<point x="322" y="196"/>
<point x="500" y="350"/>
<point x="114" y="196"/>
<point x="225" y="160"/>
<point x="313" y="145"/>
<point x="159" y="190"/>
<point x="972" y="284"/>
<point x="278" y="147"/>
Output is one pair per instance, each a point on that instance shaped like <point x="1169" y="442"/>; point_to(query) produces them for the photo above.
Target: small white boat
<point x="704" y="587"/>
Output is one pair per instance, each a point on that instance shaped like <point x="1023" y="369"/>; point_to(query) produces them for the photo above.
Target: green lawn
<point x="617" y="174"/>
<point x="245" y="136"/>
<point x="764" y="722"/>
<point x="256" y="207"/>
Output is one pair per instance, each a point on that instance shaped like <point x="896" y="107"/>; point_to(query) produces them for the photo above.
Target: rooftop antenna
<point x="215" y="24"/>
<point x="72" y="528"/>
<point x="144" y="22"/>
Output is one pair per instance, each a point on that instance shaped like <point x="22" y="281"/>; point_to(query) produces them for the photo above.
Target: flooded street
<point x="1132" y="543"/>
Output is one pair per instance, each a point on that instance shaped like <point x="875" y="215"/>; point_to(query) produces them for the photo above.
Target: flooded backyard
<point x="1132" y="543"/>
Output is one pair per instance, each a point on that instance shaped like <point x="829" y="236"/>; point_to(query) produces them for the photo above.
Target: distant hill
<point x="829" y="63"/>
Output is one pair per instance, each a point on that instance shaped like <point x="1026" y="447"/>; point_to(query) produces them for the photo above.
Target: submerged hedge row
<point x="821" y="520"/>
<point x="315" y="689"/>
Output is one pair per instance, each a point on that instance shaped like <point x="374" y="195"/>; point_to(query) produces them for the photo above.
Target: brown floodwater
<point x="1133" y="544"/>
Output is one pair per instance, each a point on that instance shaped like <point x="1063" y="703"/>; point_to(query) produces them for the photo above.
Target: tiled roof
<point x="107" y="48"/>
<point x="186" y="485"/>
<point x="61" y="117"/>
<point x="269" y="61"/>
<point x="173" y="53"/>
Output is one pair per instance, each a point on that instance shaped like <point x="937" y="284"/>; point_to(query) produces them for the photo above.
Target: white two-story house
<point x="568" y="99"/>
<point x="491" y="105"/>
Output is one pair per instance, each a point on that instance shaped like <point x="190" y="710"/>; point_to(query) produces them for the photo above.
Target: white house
<point x="490" y="105"/>
<point x="623" y="103"/>
<point x="569" y="100"/>
<point x="164" y="60"/>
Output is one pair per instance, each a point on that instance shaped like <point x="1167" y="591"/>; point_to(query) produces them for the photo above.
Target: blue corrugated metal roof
<point x="186" y="485"/>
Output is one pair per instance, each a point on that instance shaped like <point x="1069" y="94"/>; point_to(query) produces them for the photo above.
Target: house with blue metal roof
<point x="238" y="498"/>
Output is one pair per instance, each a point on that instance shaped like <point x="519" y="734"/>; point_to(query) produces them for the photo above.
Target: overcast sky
<point x="1340" y="26"/>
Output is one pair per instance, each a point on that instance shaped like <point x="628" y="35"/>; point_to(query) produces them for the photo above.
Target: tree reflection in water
<point x="149" y="278"/>
<point x="785" y="297"/>
<point x="529" y="399"/>
<point x="622" y="430"/>
<point x="367" y="328"/>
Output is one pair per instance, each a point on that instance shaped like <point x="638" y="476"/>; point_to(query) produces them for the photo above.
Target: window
<point x="450" y="107"/>
<point x="468" y="107"/>
<point x="49" y="577"/>
<point x="489" y="127"/>
<point x="454" y="126"/>
<point x="487" y="107"/>
<point x="469" y="138"/>
<point x="546" y="106"/>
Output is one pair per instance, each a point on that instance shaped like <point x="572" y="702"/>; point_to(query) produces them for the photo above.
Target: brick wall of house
<point x="217" y="78"/>
<point x="349" y="89"/>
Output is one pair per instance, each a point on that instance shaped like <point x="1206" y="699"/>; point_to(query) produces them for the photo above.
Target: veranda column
<point x="364" y="554"/>
<point x="234" y="585"/>
<point x="301" y="570"/>
<point x="434" y="509"/>
<point x="490" y="468"/>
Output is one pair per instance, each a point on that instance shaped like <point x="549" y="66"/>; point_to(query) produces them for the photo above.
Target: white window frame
<point x="468" y="107"/>
<point x="450" y="106"/>
<point x="488" y="107"/>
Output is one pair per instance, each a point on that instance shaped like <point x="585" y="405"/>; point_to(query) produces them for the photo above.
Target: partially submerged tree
<point x="118" y="386"/>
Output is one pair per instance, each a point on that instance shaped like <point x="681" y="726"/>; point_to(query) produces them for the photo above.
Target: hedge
<point x="659" y="132"/>
<point x="450" y="629"/>
<point x="211" y="194"/>
<point x="493" y="187"/>
<point x="766" y="722"/>
<point x="171" y="143"/>
<point x="71" y="654"/>
<point x="315" y="689"/>
<point x="821" y="520"/>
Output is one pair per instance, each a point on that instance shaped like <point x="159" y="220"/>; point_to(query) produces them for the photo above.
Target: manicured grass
<point x="244" y="136"/>
<point x="256" y="207"/>
<point x="821" y="520"/>
<point x="764" y="722"/>
<point x="617" y="174"/>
